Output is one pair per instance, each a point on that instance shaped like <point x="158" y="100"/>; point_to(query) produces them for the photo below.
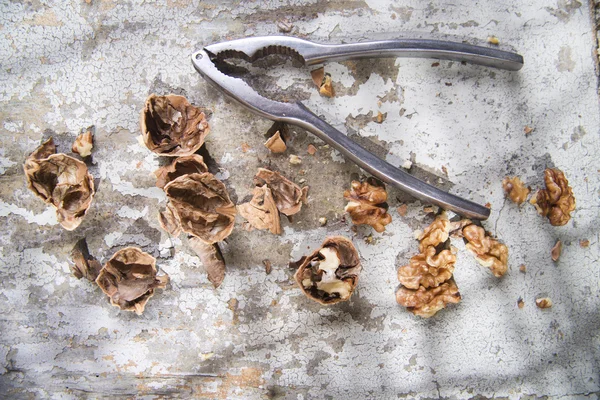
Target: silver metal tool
<point x="251" y="49"/>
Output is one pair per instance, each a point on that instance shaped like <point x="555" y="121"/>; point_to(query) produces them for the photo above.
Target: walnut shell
<point x="427" y="302"/>
<point x="261" y="212"/>
<point x="180" y="166"/>
<point x="487" y="251"/>
<point x="171" y="126"/>
<point x="201" y="204"/>
<point x="429" y="269"/>
<point x="330" y="274"/>
<point x="84" y="265"/>
<point x="129" y="279"/>
<point x="287" y="195"/>
<point x="211" y="258"/>
<point x="556" y="201"/>
<point x="83" y="144"/>
<point x="62" y="181"/>
<point x="367" y="204"/>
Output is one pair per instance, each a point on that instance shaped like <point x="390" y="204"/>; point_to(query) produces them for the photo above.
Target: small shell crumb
<point x="295" y="160"/>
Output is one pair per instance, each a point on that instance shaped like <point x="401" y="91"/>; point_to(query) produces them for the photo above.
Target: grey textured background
<point x="67" y="65"/>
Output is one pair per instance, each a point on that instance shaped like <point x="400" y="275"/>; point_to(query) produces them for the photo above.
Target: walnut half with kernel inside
<point x="367" y="204"/>
<point x="330" y="274"/>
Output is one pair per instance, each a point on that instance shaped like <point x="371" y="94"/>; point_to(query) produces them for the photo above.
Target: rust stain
<point x="109" y="358"/>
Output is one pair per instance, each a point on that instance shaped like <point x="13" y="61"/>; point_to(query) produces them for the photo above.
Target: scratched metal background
<point x="67" y="65"/>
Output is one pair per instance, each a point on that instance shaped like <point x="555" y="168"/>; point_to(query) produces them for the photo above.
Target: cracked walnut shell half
<point x="261" y="212"/>
<point x="287" y="195"/>
<point x="129" y="279"/>
<point x="367" y="204"/>
<point x="62" y="181"/>
<point x="201" y="205"/>
<point x="180" y="166"/>
<point x="330" y="274"/>
<point x="556" y="201"/>
<point x="487" y="251"/>
<point x="171" y="126"/>
<point x="427" y="302"/>
<point x="211" y="258"/>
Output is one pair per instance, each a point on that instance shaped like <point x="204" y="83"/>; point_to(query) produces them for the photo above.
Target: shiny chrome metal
<point x="314" y="53"/>
<point x="297" y="114"/>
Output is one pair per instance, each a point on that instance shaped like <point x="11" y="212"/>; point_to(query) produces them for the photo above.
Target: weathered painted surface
<point x="67" y="65"/>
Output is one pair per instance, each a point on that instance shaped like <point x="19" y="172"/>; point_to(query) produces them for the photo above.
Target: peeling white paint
<point x="128" y="212"/>
<point x="48" y="217"/>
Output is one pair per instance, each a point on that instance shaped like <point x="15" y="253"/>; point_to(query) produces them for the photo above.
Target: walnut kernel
<point x="487" y="251"/>
<point x="556" y="201"/>
<point x="427" y="302"/>
<point x="367" y="204"/>
<point x="515" y="189"/>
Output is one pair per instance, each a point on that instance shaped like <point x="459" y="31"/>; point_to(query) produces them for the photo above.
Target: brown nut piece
<point x="487" y="251"/>
<point x="201" y="204"/>
<point x="556" y="201"/>
<point x="287" y="195"/>
<point x="211" y="258"/>
<point x="261" y="212"/>
<point x="515" y="189"/>
<point x="180" y="166"/>
<point x="171" y="126"/>
<point x="556" y="251"/>
<point x="129" y="279"/>
<point x="330" y="274"/>
<point x="62" y="181"/>
<point x="429" y="269"/>
<point x="543" y="302"/>
<point x="83" y="144"/>
<point x="84" y="265"/>
<point x="367" y="204"/>
<point x="427" y="302"/>
<point x="436" y="233"/>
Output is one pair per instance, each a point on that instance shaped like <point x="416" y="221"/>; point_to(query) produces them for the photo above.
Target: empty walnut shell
<point x="62" y="181"/>
<point x="367" y="204"/>
<point x="330" y="274"/>
<point x="129" y="279"/>
<point x="556" y="201"/>
<point x="180" y="166"/>
<point x="427" y="302"/>
<point x="287" y="195"/>
<point x="171" y="126"/>
<point x="487" y="251"/>
<point x="201" y="204"/>
<point x="261" y="212"/>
